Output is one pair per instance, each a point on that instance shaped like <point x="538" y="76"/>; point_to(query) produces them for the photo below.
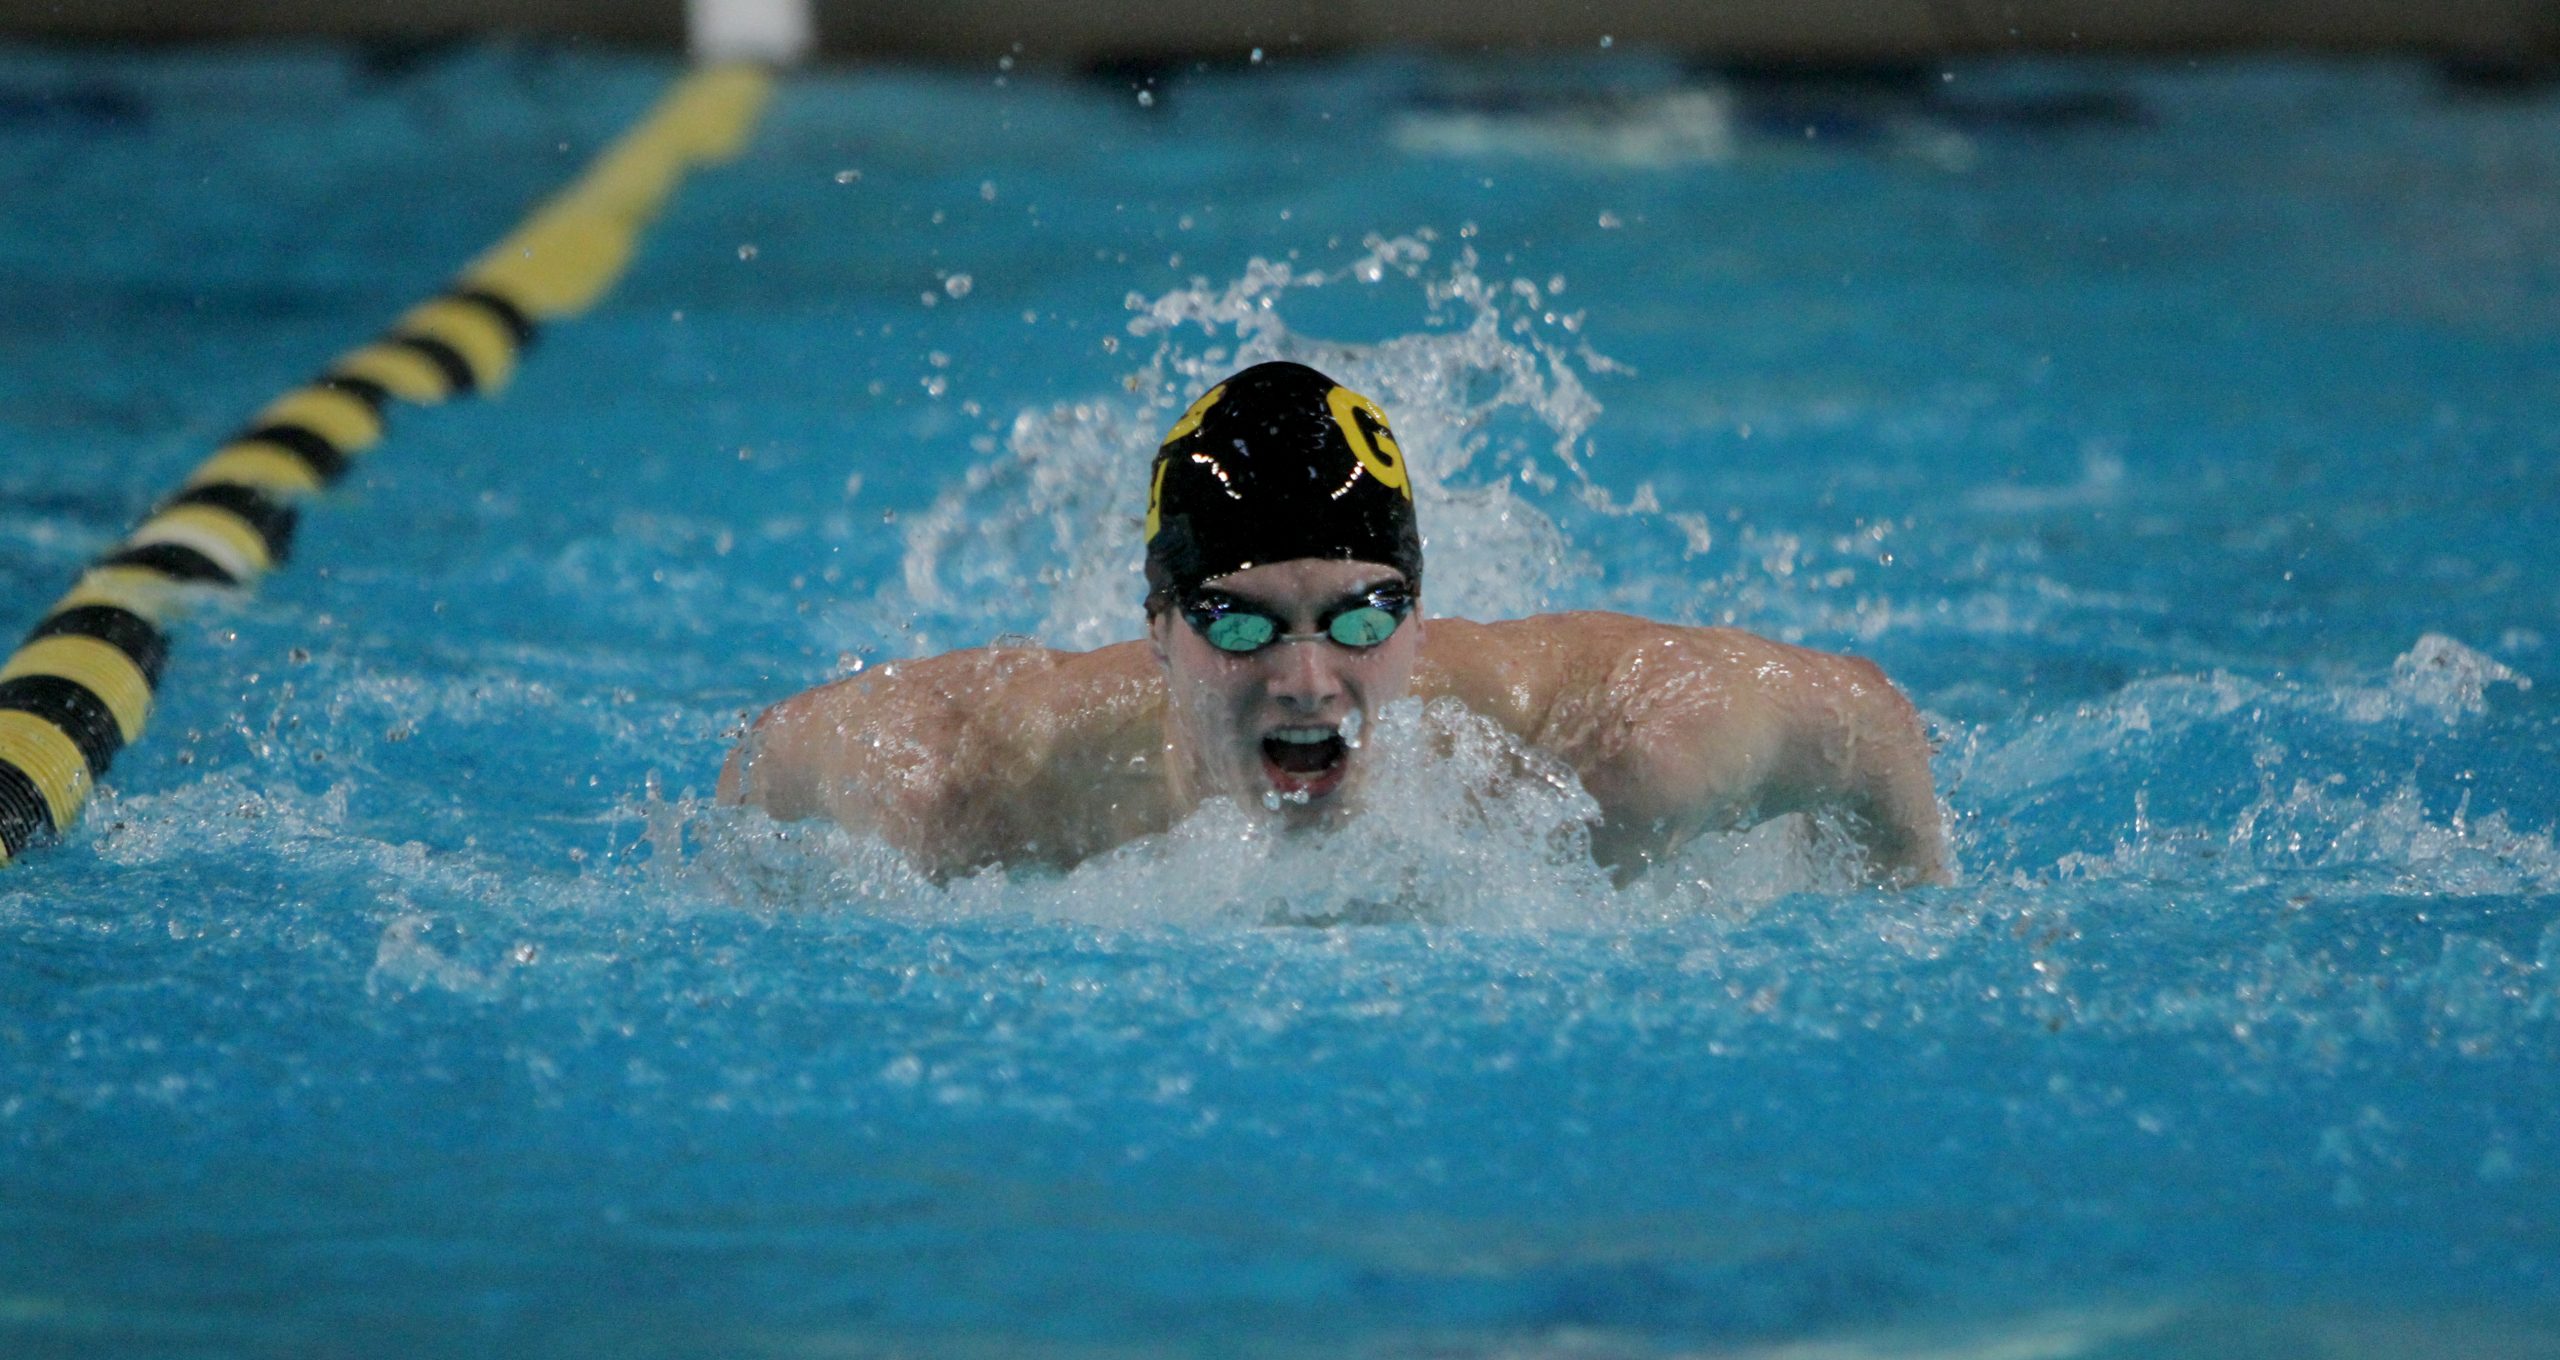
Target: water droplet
<point x="747" y="251"/>
<point x="848" y="176"/>
<point x="958" y="285"/>
<point x="986" y="191"/>
<point x="1146" y="99"/>
<point x="1609" y="221"/>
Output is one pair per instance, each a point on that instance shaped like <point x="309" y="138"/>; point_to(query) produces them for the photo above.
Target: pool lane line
<point x="80" y="688"/>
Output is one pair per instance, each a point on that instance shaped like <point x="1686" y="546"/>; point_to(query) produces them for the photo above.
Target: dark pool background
<point x="2177" y="434"/>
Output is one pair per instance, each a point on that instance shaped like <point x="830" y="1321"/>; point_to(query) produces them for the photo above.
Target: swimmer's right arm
<point x="958" y="760"/>
<point x="872" y="752"/>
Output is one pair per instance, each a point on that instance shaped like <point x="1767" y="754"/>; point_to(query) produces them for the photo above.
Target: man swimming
<point x="1284" y="611"/>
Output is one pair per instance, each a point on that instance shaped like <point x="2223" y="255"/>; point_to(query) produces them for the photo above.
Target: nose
<point x="1304" y="676"/>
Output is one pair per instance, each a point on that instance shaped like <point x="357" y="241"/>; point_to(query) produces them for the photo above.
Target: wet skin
<point x="1014" y="754"/>
<point x="1228" y="717"/>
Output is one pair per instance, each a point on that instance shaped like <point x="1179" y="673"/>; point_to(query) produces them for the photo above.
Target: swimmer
<point x="1284" y="611"/>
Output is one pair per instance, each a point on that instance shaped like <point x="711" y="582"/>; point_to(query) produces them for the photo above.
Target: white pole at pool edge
<point x="774" y="32"/>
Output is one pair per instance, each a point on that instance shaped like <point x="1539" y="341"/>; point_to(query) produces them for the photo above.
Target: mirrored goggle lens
<point x="1366" y="626"/>
<point x="1233" y="629"/>
<point x="1239" y="631"/>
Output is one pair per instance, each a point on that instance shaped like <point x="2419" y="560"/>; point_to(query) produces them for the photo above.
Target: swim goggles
<point x="1361" y="622"/>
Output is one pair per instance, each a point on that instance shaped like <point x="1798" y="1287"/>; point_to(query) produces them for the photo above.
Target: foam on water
<point x="1459" y="826"/>
<point x="2329" y="793"/>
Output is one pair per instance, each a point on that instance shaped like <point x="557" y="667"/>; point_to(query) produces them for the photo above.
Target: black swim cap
<point x="1276" y="463"/>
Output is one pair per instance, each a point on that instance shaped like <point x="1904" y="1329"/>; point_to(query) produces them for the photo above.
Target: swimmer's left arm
<point x="1861" y="747"/>
<point x="1726" y="730"/>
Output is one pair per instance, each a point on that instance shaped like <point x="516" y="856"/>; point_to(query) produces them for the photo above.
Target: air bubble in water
<point x="958" y="285"/>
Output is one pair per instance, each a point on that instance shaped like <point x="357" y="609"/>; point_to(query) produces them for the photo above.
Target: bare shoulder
<point x="947" y="755"/>
<point x="1678" y="729"/>
<point x="1550" y="673"/>
<point x="931" y="695"/>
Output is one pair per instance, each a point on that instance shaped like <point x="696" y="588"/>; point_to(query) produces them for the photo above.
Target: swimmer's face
<point x="1278" y="723"/>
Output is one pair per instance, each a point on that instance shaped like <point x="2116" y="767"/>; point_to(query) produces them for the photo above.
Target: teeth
<point x="1303" y="736"/>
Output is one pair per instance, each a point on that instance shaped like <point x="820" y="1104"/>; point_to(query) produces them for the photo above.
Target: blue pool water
<point x="2178" y="435"/>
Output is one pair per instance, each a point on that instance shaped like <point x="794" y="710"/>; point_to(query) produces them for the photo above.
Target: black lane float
<point x="79" y="690"/>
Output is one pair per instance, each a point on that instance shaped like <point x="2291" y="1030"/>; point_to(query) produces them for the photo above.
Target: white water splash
<point x="404" y="961"/>
<point x="1476" y="391"/>
<point x="1459" y="824"/>
<point x="2438" y="676"/>
<point x="2305" y="815"/>
<point x="2391" y="846"/>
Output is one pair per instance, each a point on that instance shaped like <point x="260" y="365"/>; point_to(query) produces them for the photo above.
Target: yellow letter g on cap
<point x="1365" y="426"/>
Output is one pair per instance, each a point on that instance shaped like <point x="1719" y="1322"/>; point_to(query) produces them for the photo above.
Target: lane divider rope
<point x="80" y="689"/>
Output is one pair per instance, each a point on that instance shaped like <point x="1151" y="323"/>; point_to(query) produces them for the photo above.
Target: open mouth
<point x="1304" y="762"/>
